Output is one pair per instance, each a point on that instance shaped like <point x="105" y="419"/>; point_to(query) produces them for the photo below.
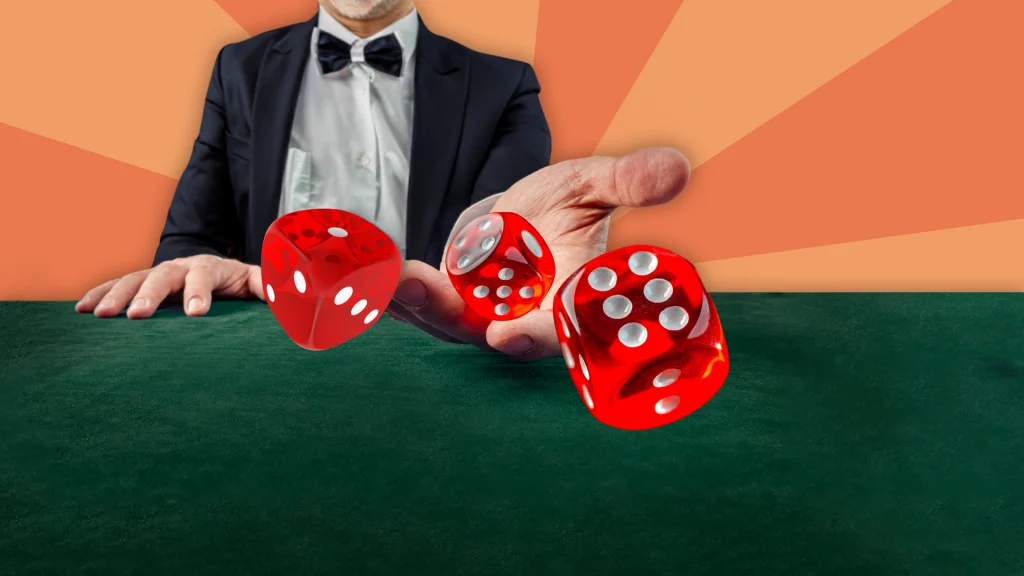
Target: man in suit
<point x="361" y="108"/>
<point x="318" y="114"/>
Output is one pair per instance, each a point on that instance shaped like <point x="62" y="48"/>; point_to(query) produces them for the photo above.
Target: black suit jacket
<point x="477" y="129"/>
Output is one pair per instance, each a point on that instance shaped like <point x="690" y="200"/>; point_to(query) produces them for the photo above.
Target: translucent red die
<point x="500" y="265"/>
<point x="641" y="337"/>
<point x="328" y="275"/>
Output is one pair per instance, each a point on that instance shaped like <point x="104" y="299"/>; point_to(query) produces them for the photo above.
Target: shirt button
<point x="364" y="160"/>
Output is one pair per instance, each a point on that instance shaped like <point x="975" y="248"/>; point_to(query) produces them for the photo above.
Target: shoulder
<point x="488" y="67"/>
<point x="250" y="52"/>
<point x="498" y="66"/>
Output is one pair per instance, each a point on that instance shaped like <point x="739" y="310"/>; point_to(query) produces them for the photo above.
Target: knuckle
<point x="198" y="280"/>
<point x="628" y="184"/>
<point x="205" y="260"/>
<point x="171" y="267"/>
<point x="578" y="181"/>
<point x="201" y="269"/>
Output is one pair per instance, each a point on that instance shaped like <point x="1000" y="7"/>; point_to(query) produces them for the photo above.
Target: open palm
<point x="570" y="204"/>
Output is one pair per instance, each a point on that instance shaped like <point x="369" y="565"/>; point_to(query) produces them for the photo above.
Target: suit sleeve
<point x="522" y="141"/>
<point x="202" y="217"/>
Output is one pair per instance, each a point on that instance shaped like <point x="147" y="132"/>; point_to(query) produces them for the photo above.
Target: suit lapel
<point x="442" y="75"/>
<point x="277" y="91"/>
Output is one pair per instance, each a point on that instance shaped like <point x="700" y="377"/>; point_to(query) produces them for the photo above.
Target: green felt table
<point x="856" y="434"/>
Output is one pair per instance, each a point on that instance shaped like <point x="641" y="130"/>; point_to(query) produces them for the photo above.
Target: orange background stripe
<point x="60" y="235"/>
<point x="983" y="258"/>
<point x="258" y="16"/>
<point x="921" y="135"/>
<point x="588" y="56"/>
<point x="723" y="68"/>
<point x="121" y="78"/>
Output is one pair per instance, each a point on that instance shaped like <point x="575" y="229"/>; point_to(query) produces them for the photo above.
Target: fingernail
<point x="107" y="302"/>
<point x="138" y="303"/>
<point x="518" y="346"/>
<point x="195" y="304"/>
<point x="411" y="293"/>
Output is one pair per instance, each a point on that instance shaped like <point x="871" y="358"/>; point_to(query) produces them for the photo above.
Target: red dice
<point x="641" y="337"/>
<point x="500" y="265"/>
<point x="328" y="275"/>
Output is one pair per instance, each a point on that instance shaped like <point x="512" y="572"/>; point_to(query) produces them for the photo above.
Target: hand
<point x="569" y="203"/>
<point x="198" y="277"/>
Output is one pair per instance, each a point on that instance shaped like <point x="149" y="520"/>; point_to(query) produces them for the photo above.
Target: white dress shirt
<point x="351" y="136"/>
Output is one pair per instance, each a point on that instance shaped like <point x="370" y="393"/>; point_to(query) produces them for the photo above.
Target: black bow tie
<point x="384" y="54"/>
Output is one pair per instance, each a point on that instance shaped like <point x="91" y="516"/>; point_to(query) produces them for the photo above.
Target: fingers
<point x="426" y="299"/>
<point x="202" y="278"/>
<point x="255" y="282"/>
<point x="646" y="177"/>
<point x="426" y="294"/>
<point x="120" y="294"/>
<point x="198" y="277"/>
<point x="530" y="337"/>
<point x="92" y="298"/>
<point x="161" y="281"/>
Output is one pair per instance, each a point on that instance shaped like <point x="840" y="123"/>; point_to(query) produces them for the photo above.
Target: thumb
<point x="255" y="282"/>
<point x="530" y="337"/>
<point x="647" y="177"/>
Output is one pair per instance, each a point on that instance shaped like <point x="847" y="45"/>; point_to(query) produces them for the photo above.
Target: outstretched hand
<point x="197" y="278"/>
<point x="569" y="204"/>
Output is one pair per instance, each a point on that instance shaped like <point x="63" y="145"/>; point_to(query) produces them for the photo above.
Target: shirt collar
<point x="406" y="29"/>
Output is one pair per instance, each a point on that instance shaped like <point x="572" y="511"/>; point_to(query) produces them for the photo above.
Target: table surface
<point x="860" y="434"/>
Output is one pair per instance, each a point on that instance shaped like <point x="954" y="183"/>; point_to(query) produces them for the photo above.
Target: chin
<point x="363" y="9"/>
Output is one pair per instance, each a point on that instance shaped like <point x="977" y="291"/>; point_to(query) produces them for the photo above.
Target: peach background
<point x="844" y="145"/>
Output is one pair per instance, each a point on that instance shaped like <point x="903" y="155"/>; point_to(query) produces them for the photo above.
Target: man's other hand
<point x="197" y="278"/>
<point x="569" y="203"/>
